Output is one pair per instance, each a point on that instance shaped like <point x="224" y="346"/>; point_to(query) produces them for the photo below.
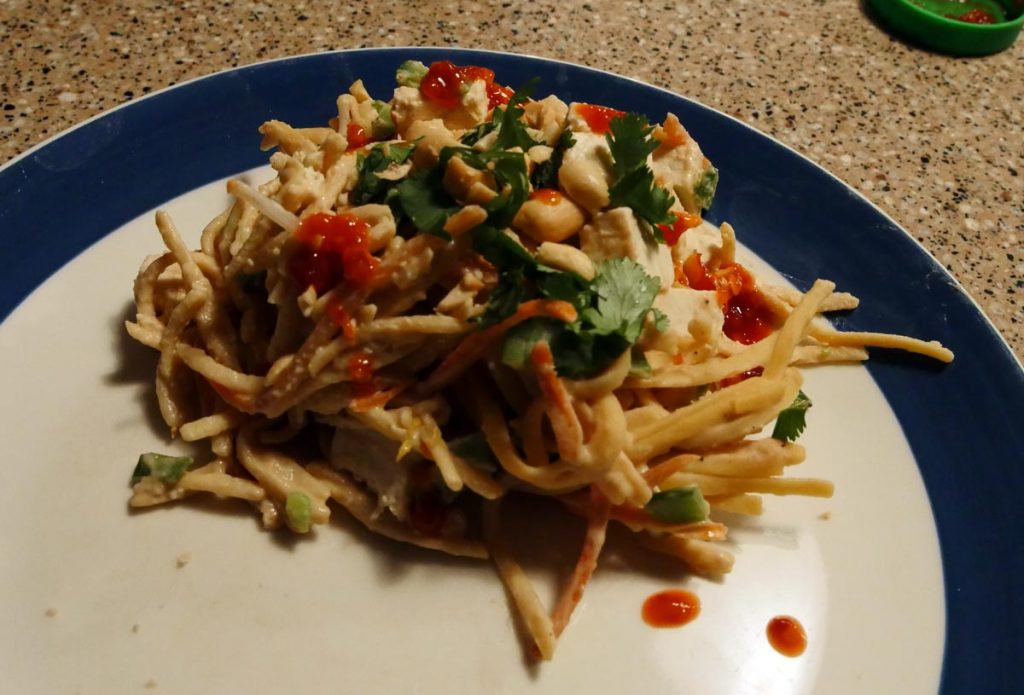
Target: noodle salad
<point x="466" y="292"/>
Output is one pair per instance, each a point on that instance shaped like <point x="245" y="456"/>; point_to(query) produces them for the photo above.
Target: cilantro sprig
<point x="508" y="122"/>
<point x="612" y="309"/>
<point x="792" y="420"/>
<point x="424" y="199"/>
<point x="633" y="185"/>
<point x="370" y="188"/>
<point x="509" y="119"/>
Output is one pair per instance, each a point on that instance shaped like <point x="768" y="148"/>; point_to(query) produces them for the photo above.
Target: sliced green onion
<point x="297" y="509"/>
<point x="684" y="505"/>
<point x="167" y="469"/>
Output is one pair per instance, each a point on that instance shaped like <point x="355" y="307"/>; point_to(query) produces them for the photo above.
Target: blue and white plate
<point x="907" y="581"/>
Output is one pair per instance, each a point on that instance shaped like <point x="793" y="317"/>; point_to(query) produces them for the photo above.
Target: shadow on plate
<point x="136" y="366"/>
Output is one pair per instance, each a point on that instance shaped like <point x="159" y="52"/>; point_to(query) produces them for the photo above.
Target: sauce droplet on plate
<point x="786" y="635"/>
<point x="671" y="608"/>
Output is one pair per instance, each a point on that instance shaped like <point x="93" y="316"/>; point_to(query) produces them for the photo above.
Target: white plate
<point x="263" y="613"/>
<point x="348" y="612"/>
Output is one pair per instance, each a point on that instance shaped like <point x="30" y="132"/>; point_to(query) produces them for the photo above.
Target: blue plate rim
<point x="962" y="663"/>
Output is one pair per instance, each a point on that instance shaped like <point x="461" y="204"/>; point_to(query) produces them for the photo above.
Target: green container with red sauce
<point x="959" y="27"/>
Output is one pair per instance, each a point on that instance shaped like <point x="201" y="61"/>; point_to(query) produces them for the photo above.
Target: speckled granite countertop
<point x="936" y="142"/>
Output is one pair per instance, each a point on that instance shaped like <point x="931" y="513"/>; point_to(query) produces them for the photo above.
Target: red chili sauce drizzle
<point x="786" y="635"/>
<point x="683" y="221"/>
<point x="442" y="85"/>
<point x="360" y="368"/>
<point x="975" y="16"/>
<point x="729" y="381"/>
<point x="748" y="318"/>
<point x="356" y="136"/>
<point x="671" y="608"/>
<point x="599" y="118"/>
<point x="333" y="248"/>
<point x="341" y="319"/>
<point x="548" y="196"/>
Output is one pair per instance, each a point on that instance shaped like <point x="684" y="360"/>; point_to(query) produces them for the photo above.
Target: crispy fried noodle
<point x="465" y="292"/>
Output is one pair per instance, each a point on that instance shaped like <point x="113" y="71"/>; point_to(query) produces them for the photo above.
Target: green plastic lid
<point x="960" y="27"/>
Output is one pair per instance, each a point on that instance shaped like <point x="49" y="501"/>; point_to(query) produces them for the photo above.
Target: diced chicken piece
<point x="433" y="136"/>
<point x="547" y="116"/>
<point x="680" y="166"/>
<point x="694" y="320"/>
<point x="370" y="457"/>
<point x="409" y="106"/>
<point x="705" y="239"/>
<point x="586" y="171"/>
<point x="616" y="234"/>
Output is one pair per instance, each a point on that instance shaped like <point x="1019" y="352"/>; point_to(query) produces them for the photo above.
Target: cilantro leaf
<point x="545" y="174"/>
<point x="472" y="137"/>
<point x="660" y="320"/>
<point x="629" y="139"/>
<point x="507" y="120"/>
<point x="511" y="130"/>
<point x="501" y="250"/>
<point x="792" y="420"/>
<point x="612" y="308"/>
<point x="370" y="188"/>
<point x="580" y="352"/>
<point x="623" y="293"/>
<point x="520" y="339"/>
<point x="509" y="171"/>
<point x="638" y="364"/>
<point x="426" y="202"/>
<point x="566" y="286"/>
<point x="633" y="186"/>
<point x="505" y="298"/>
<point x="383" y="125"/>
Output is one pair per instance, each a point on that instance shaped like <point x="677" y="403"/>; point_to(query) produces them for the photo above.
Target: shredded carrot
<point x="597" y="528"/>
<point x="242" y="401"/>
<point x="361" y="404"/>
<point x="658" y="473"/>
<point x="342" y="319"/>
<point x="564" y="423"/>
<point x="475" y="345"/>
